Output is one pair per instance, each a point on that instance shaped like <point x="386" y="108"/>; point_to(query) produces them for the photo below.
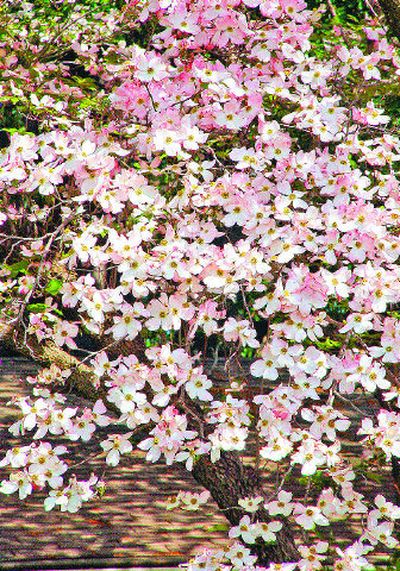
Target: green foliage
<point x="37" y="307"/>
<point x="347" y="11"/>
<point x="19" y="268"/>
<point x="53" y="287"/>
<point x="328" y="344"/>
<point x="247" y="353"/>
<point x="337" y="309"/>
<point x="394" y="561"/>
<point x="318" y="481"/>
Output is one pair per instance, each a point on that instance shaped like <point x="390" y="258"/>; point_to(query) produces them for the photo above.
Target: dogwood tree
<point x="182" y="178"/>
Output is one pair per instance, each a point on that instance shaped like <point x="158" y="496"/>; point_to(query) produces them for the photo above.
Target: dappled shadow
<point x="129" y="525"/>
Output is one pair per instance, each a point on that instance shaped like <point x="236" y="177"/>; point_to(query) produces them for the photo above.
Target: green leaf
<point x="18" y="268"/>
<point x="87" y="102"/>
<point x="37" y="307"/>
<point x="373" y="477"/>
<point x="54" y="286"/>
<point x="328" y="344"/>
<point x="20" y="131"/>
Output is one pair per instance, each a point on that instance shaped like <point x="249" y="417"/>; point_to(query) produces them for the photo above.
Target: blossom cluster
<point x="231" y="187"/>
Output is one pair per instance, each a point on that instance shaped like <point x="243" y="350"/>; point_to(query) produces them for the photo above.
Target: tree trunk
<point x="391" y="10"/>
<point x="229" y="480"/>
<point x="396" y="475"/>
<point x="395" y="462"/>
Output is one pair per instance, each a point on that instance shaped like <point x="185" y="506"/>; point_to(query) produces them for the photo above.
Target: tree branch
<point x="82" y="381"/>
<point x="228" y="480"/>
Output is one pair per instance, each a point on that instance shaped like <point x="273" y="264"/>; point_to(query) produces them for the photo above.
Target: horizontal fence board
<point x="129" y="526"/>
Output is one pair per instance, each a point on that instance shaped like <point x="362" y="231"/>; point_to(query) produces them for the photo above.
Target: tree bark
<point x="395" y="462"/>
<point x="391" y="10"/>
<point x="82" y="380"/>
<point x="228" y="480"/>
